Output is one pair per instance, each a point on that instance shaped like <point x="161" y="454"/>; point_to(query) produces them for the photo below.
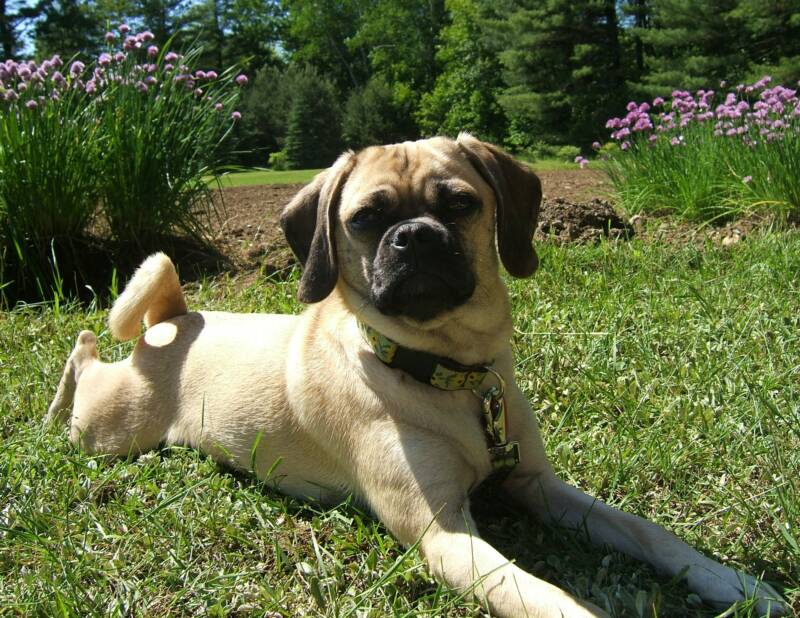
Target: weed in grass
<point x="665" y="380"/>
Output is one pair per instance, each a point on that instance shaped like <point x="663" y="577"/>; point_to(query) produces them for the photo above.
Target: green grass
<point x="666" y="381"/>
<point x="288" y="177"/>
<point x="267" y="177"/>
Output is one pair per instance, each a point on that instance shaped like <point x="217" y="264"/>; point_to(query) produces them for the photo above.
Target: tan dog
<point x="401" y="243"/>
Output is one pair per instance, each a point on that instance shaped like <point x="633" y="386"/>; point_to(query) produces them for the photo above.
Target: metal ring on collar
<point x="500" y="382"/>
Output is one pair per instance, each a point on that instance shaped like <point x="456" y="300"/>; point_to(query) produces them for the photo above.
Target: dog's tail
<point x="154" y="293"/>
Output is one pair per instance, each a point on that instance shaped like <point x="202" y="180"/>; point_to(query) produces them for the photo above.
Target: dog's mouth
<point x="423" y="295"/>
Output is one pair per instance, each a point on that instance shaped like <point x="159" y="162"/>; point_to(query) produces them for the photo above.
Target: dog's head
<point x="412" y="227"/>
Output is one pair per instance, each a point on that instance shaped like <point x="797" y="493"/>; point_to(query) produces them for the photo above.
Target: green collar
<point x="439" y="371"/>
<point x="448" y="375"/>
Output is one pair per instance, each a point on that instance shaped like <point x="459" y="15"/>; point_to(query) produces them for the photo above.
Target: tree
<point x="562" y="66"/>
<point x="312" y="134"/>
<point x="67" y="27"/>
<point x="693" y="44"/>
<point x="464" y="96"/>
<point x="374" y="116"/>
<point x="319" y="33"/>
<point x="11" y="15"/>
<point x="773" y="38"/>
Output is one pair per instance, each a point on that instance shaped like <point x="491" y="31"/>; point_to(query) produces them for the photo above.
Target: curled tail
<point x="153" y="293"/>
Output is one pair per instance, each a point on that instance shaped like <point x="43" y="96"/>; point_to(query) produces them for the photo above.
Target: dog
<point x="396" y="385"/>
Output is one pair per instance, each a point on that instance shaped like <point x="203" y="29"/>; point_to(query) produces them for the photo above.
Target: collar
<point x="438" y="371"/>
<point x="449" y="375"/>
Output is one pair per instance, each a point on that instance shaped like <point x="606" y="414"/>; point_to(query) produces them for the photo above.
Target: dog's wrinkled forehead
<point x="408" y="177"/>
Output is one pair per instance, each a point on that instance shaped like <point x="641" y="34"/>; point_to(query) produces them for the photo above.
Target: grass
<point x="267" y="177"/>
<point x="288" y="177"/>
<point x="666" y="381"/>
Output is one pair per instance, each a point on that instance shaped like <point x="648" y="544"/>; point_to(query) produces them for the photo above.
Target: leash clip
<point x="503" y="454"/>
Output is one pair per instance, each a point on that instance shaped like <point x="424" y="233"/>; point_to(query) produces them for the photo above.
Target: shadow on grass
<point x="94" y="269"/>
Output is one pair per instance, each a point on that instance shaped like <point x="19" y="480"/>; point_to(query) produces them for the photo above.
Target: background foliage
<point x="516" y="72"/>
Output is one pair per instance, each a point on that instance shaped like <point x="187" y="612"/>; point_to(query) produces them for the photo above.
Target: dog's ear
<point x="518" y="193"/>
<point x="308" y="224"/>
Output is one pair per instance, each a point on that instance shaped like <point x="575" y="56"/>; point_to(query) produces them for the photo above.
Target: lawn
<point x="267" y="177"/>
<point x="666" y="380"/>
<point x="288" y="177"/>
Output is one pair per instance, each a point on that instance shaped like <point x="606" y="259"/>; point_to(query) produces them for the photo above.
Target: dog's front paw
<point x="723" y="587"/>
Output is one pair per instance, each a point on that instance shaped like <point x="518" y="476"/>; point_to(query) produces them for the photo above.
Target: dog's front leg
<point x="426" y="503"/>
<point x="552" y="500"/>
<point x="458" y="556"/>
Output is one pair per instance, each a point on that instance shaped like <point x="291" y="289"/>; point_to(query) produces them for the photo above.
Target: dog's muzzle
<point x="420" y="270"/>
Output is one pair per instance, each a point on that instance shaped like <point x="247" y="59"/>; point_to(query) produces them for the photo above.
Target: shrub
<point x="133" y="137"/>
<point x="706" y="157"/>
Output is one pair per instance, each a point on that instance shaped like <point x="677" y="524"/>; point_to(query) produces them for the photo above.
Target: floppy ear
<point x="518" y="193"/>
<point x="308" y="222"/>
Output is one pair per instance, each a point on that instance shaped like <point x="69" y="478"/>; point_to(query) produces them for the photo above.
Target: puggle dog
<point x="396" y="385"/>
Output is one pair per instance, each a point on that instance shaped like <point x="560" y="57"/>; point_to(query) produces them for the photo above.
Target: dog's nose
<point x="411" y="236"/>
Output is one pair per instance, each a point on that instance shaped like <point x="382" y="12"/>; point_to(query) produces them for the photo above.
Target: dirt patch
<point x="248" y="232"/>
<point x="565" y="221"/>
<point x="576" y="208"/>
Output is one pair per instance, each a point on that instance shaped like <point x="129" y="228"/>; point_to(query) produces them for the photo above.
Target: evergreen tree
<point x="67" y="27"/>
<point x="312" y="135"/>
<point x="692" y="44"/>
<point x="563" y="68"/>
<point x="11" y="15"/>
<point x="773" y="38"/>
<point x="373" y="116"/>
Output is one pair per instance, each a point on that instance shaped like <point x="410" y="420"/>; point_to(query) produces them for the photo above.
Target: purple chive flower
<point x="150" y="80"/>
<point x="169" y="67"/>
<point x="211" y="75"/>
<point x="241" y="79"/>
<point x="104" y="60"/>
<point x="198" y="92"/>
<point x="200" y="74"/>
<point x="141" y="86"/>
<point x="11" y="96"/>
<point x="124" y="28"/>
<point x="76" y="68"/>
<point x="171" y="57"/>
<point x="24" y="73"/>
<point x="596" y="146"/>
<point x="625" y="145"/>
<point x="235" y="116"/>
<point x="218" y="107"/>
<point x="22" y="87"/>
<point x="59" y="79"/>
<point x="747" y="180"/>
<point x="119" y="57"/>
<point x="56" y="61"/>
<point x="91" y="87"/>
<point x="152" y="51"/>
<point x="31" y="104"/>
<point x="146" y="36"/>
<point x="109" y="37"/>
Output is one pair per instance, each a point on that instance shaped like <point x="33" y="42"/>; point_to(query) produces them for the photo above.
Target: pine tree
<point x="692" y="44"/>
<point x="312" y="137"/>
<point x="773" y="38"/>
<point x="563" y="68"/>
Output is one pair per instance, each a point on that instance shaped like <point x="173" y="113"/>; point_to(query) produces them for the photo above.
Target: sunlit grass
<point x="666" y="381"/>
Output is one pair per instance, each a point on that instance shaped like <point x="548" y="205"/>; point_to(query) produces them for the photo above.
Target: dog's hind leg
<point x="84" y="353"/>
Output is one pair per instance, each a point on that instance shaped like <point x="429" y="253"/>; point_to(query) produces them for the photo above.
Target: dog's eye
<point x="461" y="203"/>
<point x="366" y="218"/>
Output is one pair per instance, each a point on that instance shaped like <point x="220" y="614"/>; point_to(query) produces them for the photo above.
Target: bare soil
<point x="575" y="209"/>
